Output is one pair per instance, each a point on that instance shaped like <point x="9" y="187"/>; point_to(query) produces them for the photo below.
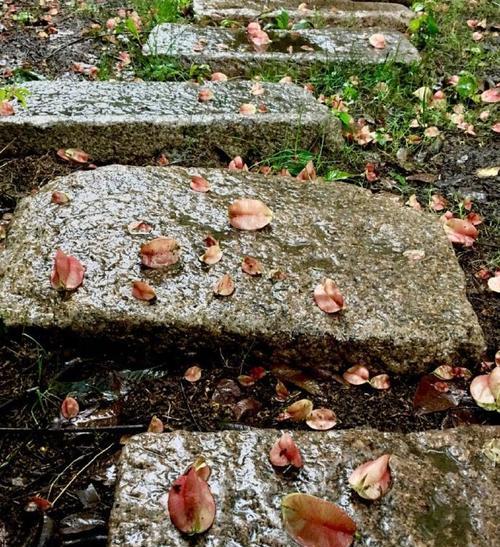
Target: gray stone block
<point x="402" y="315"/>
<point x="444" y="490"/>
<point x="229" y="51"/>
<point x="329" y="12"/>
<point x="117" y="121"/>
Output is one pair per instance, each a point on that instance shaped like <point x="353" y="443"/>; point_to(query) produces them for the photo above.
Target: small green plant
<point x="10" y="93"/>
<point x="282" y="20"/>
<point x="467" y="85"/>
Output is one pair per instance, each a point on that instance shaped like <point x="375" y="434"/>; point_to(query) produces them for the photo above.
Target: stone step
<point x="330" y="12"/>
<point x="444" y="489"/>
<point x="402" y="314"/>
<point x="117" y="121"/>
<point x="229" y="51"/>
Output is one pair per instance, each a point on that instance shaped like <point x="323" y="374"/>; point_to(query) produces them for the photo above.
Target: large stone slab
<point x="331" y="12"/>
<point x="116" y="121"/>
<point x="229" y="51"/>
<point x="445" y="490"/>
<point x="402" y="314"/>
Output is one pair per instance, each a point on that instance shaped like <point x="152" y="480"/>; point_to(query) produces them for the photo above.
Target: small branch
<point x="80" y="472"/>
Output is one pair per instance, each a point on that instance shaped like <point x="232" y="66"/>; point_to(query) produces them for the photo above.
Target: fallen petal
<point x="160" y="253"/>
<point x="69" y="408"/>
<point x="357" y="375"/>
<point x="328" y="297"/>
<point x="381" y="381"/>
<point x="285" y="452"/>
<point x="67" y="272"/>
<point x="212" y="255"/>
<point x="142" y="291"/>
<point x="192" y="374"/>
<point x="252" y="266"/>
<point x="199" y="184"/>
<point x="225" y="286"/>
<point x="377" y="41"/>
<point x="249" y="214"/>
<point x="372" y="479"/>
<point x="322" y="419"/>
<point x="298" y="411"/>
<point x="314" y="522"/>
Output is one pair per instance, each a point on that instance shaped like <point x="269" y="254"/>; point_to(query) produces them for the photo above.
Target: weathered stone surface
<point x="401" y="314"/>
<point x="445" y="490"/>
<point x="113" y="121"/>
<point x="331" y="12"/>
<point x="229" y="51"/>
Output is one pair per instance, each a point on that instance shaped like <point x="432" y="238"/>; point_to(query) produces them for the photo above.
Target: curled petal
<point x="225" y="286"/>
<point x="142" y="291"/>
<point x="372" y="479"/>
<point x="480" y="390"/>
<point x="212" y="255"/>
<point x="298" y="411"/>
<point x="192" y="374"/>
<point x="460" y="231"/>
<point x="357" y="375"/>
<point x="251" y="266"/>
<point x="328" y="297"/>
<point x="199" y="184"/>
<point x="69" y="408"/>
<point x="285" y="452"/>
<point x="377" y="41"/>
<point x="381" y="381"/>
<point x="67" y="272"/>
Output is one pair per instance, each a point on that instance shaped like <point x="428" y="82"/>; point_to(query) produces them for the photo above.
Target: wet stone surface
<point x="336" y="12"/>
<point x="402" y="314"/>
<point x="229" y="50"/>
<point x="444" y="490"/>
<point x="113" y="121"/>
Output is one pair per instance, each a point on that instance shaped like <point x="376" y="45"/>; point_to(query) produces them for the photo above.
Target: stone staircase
<point x="403" y="314"/>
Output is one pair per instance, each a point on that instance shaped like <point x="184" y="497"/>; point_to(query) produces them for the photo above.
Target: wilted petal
<point x="285" y="452"/>
<point x="248" y="109"/>
<point x="314" y="522"/>
<point x="199" y="184"/>
<point x="249" y="214"/>
<point x="251" y="266"/>
<point x="191" y="505"/>
<point x="381" y="381"/>
<point x="160" y="252"/>
<point x="377" y="41"/>
<point x="139" y="227"/>
<point x="357" y="375"/>
<point x="74" y="155"/>
<point x="494" y="283"/>
<point x="237" y="164"/>
<point x="328" y="297"/>
<point x="480" y="390"/>
<point x="218" y="77"/>
<point x="225" y="286"/>
<point x="205" y="95"/>
<point x="212" y="255"/>
<point x="322" y="419"/>
<point x="67" y="272"/>
<point x="192" y="374"/>
<point x="460" y="231"/>
<point x="372" y="479"/>
<point x="142" y="291"/>
<point x="59" y="198"/>
<point x="491" y="95"/>
<point x="298" y="411"/>
<point x="281" y="391"/>
<point x="69" y="408"/>
<point x="308" y="173"/>
<point x="155" y="425"/>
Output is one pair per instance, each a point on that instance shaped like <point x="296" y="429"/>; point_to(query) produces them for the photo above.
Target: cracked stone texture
<point x="402" y="315"/>
<point x="229" y="51"/>
<point x="336" y="12"/>
<point x="444" y="492"/>
<point x="113" y="121"/>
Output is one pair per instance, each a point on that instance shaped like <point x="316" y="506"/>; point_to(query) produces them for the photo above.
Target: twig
<point x="62" y="473"/>
<point x="197" y="425"/>
<point x="80" y="472"/>
<point x="105" y="429"/>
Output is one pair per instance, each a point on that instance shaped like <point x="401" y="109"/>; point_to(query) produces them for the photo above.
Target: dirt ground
<point x="43" y="455"/>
